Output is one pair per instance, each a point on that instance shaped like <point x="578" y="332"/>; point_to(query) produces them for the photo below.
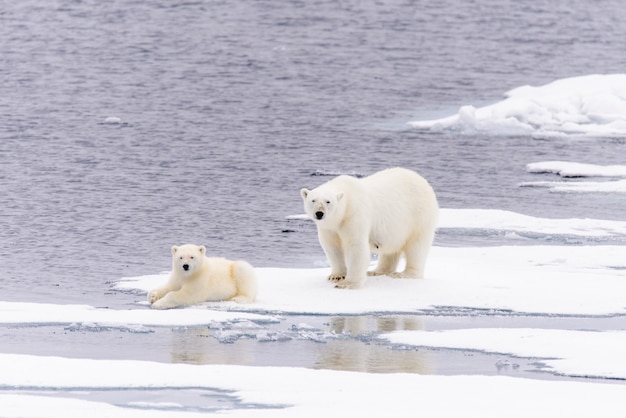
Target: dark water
<point x="349" y="343"/>
<point x="227" y="108"/>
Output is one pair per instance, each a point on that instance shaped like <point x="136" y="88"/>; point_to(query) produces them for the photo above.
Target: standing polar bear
<point x="392" y="212"/>
<point x="196" y="278"/>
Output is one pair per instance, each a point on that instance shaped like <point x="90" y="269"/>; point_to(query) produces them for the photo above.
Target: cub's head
<point x="321" y="204"/>
<point x="186" y="259"/>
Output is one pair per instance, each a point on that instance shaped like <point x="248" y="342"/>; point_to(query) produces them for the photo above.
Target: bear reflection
<point x="364" y="353"/>
<point x="342" y="343"/>
<point x="197" y="345"/>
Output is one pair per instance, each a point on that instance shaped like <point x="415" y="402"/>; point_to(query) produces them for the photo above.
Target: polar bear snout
<point x="186" y="267"/>
<point x="319" y="215"/>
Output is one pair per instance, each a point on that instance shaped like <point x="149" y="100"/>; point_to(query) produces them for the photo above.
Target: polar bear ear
<point x="174" y="249"/>
<point x="202" y="249"/>
<point x="339" y="196"/>
<point x="304" y="193"/>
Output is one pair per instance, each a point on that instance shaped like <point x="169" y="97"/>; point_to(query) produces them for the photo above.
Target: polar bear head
<point x="322" y="204"/>
<point x="187" y="259"/>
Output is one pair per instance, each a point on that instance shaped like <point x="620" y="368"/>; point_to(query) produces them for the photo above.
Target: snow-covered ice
<point x="573" y="169"/>
<point x="495" y="219"/>
<point x="569" y="170"/>
<point x="614" y="186"/>
<point x="570" y="352"/>
<point x="296" y="392"/>
<point x="556" y="280"/>
<point x="591" y="105"/>
<point x="76" y="315"/>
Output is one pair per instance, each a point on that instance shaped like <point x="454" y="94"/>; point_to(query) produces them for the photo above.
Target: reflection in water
<point x="198" y="346"/>
<point x="340" y="343"/>
<point x="360" y="325"/>
<point x="361" y="353"/>
<point x="364" y="357"/>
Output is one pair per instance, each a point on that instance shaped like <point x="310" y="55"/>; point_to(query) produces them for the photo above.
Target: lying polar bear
<point x="196" y="278"/>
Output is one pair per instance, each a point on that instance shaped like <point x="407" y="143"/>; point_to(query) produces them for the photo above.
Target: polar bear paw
<point x="157" y="305"/>
<point x="153" y="296"/>
<point x="336" y="277"/>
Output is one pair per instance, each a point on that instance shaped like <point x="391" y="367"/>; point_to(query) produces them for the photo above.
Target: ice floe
<point x="81" y="317"/>
<point x="495" y="219"/>
<point x="572" y="169"/>
<point x="591" y="105"/>
<point x="615" y="186"/>
<point x="588" y="280"/>
<point x="563" y="280"/>
<point x="292" y="392"/>
<point x="568" y="352"/>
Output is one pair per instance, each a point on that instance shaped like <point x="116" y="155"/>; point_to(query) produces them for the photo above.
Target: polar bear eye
<point x="312" y="200"/>
<point x="328" y="202"/>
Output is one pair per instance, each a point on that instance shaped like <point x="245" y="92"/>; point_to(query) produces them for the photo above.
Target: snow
<point x="494" y="219"/>
<point x="41" y="313"/>
<point x="296" y="392"/>
<point x="572" y="169"/>
<point x="560" y="280"/>
<point x="535" y="280"/>
<point x="571" y="352"/>
<point x="591" y="105"/>
<point x="617" y="186"/>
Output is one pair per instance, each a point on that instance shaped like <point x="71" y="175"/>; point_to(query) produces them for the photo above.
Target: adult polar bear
<point x="392" y="212"/>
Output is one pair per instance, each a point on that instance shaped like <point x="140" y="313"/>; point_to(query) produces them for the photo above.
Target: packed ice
<point x="591" y="105"/>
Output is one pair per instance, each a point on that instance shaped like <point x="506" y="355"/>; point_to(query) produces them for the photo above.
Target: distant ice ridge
<point x="591" y="105"/>
<point x="572" y="169"/>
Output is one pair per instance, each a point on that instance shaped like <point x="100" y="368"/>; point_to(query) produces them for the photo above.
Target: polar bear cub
<point x="392" y="213"/>
<point x="196" y="278"/>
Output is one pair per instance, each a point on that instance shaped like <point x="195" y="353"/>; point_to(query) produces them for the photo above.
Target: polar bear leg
<point x="387" y="264"/>
<point x="157" y="294"/>
<point x="416" y="253"/>
<point x="331" y="245"/>
<point x="173" y="300"/>
<point x="245" y="280"/>
<point x="358" y="256"/>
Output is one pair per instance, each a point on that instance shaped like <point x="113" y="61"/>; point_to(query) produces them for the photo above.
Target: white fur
<point x="205" y="279"/>
<point x="393" y="213"/>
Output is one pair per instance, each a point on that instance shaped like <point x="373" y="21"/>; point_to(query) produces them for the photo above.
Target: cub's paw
<point x="153" y="296"/>
<point x="159" y="304"/>
<point x="336" y="277"/>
